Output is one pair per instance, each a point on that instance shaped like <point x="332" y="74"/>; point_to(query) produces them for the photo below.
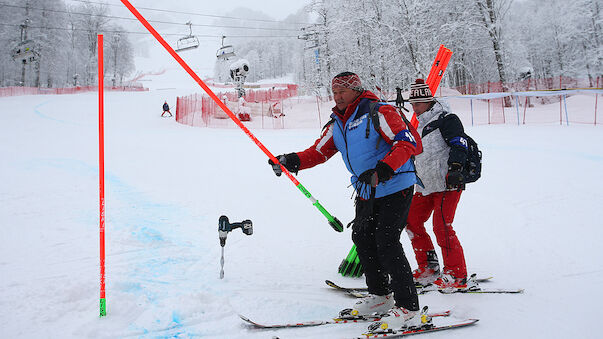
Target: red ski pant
<point x="443" y="205"/>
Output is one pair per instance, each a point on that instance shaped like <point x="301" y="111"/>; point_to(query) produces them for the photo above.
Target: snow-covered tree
<point x="389" y="43"/>
<point x="64" y="40"/>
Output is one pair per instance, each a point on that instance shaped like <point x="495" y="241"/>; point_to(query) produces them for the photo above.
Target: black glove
<point x="290" y="161"/>
<point x="381" y="173"/>
<point x="454" y="177"/>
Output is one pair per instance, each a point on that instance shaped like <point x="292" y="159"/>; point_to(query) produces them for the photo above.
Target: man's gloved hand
<point x="454" y="177"/>
<point x="290" y="161"/>
<point x="381" y="173"/>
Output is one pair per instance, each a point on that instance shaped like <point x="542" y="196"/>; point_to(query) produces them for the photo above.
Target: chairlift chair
<point x="188" y="42"/>
<point x="24" y="52"/>
<point x="225" y="52"/>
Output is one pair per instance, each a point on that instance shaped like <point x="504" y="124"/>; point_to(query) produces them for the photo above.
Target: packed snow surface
<point x="533" y="221"/>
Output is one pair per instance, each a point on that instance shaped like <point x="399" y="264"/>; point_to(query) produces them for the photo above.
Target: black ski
<point x="347" y="320"/>
<point x="362" y="292"/>
<point x="424" y="329"/>
<point x="365" y="289"/>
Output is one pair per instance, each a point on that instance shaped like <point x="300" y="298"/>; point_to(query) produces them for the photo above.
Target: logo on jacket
<point x="356" y="122"/>
<point x="405" y="135"/>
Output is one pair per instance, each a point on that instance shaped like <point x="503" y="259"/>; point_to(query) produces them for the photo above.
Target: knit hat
<point x="420" y="92"/>
<point x="347" y="80"/>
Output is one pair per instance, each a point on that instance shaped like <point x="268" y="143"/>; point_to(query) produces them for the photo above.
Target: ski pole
<point x="333" y="221"/>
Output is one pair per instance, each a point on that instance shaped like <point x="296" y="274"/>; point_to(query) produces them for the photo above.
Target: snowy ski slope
<point x="534" y="220"/>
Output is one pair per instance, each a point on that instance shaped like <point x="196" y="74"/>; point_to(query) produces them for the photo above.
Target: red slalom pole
<point x="435" y="75"/>
<point x="435" y="65"/>
<point x="101" y="173"/>
<point x="334" y="222"/>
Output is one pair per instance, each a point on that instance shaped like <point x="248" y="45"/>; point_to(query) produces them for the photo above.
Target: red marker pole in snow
<point x="334" y="222"/>
<point x="101" y="173"/>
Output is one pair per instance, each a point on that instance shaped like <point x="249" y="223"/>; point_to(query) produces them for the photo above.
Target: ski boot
<point x="401" y="319"/>
<point x="448" y="283"/>
<point x="371" y="305"/>
<point x="424" y="276"/>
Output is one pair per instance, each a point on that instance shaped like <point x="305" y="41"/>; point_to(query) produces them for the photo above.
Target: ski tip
<point x="332" y="284"/>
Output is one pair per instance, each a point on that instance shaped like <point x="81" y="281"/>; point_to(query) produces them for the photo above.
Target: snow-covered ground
<point x="533" y="221"/>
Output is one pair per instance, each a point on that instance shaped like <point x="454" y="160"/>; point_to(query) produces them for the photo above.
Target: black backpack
<point x="473" y="167"/>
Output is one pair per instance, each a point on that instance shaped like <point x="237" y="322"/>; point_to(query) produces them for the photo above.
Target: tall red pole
<point x="101" y="174"/>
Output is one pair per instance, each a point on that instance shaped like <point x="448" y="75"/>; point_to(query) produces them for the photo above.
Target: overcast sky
<point x="277" y="9"/>
<point x="203" y="58"/>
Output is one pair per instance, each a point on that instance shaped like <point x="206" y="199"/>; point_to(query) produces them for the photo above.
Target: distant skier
<point x="379" y="159"/>
<point x="166" y="108"/>
<point x="440" y="169"/>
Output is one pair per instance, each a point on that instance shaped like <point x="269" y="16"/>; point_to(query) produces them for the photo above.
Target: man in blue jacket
<point x="383" y="175"/>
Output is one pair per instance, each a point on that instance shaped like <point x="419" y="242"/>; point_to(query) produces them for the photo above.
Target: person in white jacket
<point x="440" y="169"/>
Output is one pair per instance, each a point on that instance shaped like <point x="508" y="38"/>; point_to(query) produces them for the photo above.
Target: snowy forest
<point x="391" y="42"/>
<point x="63" y="39"/>
<point x="388" y="43"/>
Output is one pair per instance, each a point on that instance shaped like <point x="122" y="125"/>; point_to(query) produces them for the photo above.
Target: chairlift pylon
<point x="225" y="52"/>
<point x="188" y="42"/>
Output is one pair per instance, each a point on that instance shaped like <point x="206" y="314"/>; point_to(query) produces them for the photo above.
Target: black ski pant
<point x="376" y="234"/>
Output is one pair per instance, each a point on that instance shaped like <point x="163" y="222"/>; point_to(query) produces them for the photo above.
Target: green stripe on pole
<point x="351" y="266"/>
<point x="352" y="255"/>
<point x="103" y="307"/>
<point x="334" y="222"/>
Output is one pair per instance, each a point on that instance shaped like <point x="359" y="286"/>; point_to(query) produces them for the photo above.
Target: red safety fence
<point x="201" y="110"/>
<point x="559" y="82"/>
<point x="576" y="105"/>
<point x="15" y="91"/>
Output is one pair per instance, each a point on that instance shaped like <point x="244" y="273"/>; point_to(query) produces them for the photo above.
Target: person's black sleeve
<point x="454" y="135"/>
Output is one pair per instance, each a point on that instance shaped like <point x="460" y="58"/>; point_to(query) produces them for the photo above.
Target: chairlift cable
<point x="197" y="14"/>
<point x="147" y="33"/>
<point x="154" y="21"/>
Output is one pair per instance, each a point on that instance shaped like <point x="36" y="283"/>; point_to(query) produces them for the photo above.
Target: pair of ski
<point x="350" y="320"/>
<point x="391" y="334"/>
<point x="422" y="289"/>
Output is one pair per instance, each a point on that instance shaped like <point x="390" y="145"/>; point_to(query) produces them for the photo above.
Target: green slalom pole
<point x="334" y="222"/>
<point x="350" y="266"/>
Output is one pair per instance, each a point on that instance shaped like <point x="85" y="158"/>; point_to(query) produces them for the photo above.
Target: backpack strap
<point x="330" y="122"/>
<point x="374" y="116"/>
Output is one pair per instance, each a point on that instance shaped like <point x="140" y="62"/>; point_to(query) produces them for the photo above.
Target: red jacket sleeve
<point x="395" y="132"/>
<point x="322" y="150"/>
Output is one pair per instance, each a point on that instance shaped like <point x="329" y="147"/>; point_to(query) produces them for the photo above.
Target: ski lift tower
<point x="188" y="42"/>
<point x="25" y="52"/>
<point x="311" y="37"/>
